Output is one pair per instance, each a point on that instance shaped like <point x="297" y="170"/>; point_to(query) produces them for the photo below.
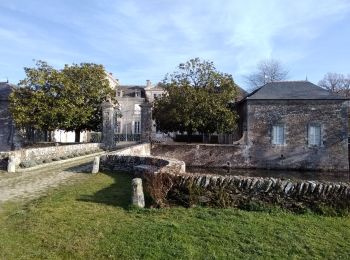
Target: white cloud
<point x="145" y="39"/>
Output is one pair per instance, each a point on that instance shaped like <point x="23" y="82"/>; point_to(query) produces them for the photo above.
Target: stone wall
<point x="228" y="191"/>
<point x="296" y="116"/>
<point x="137" y="150"/>
<point x="205" y="155"/>
<point x="51" y="152"/>
<point x="167" y="182"/>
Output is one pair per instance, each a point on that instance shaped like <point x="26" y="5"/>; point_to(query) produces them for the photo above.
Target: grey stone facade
<point x="296" y="116"/>
<point x="296" y="106"/>
<point x="130" y="99"/>
<point x="6" y="124"/>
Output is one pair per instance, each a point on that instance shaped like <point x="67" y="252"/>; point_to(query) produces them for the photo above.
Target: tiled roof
<point x="291" y="90"/>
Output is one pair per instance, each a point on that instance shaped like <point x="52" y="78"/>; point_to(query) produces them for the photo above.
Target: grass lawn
<point x="92" y="220"/>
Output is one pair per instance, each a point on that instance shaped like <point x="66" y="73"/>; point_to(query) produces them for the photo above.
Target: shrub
<point x="47" y="160"/>
<point x="39" y="161"/>
<point x="27" y="164"/>
<point x="55" y="159"/>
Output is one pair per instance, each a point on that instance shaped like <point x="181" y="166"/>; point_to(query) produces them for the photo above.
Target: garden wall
<point x="167" y="182"/>
<point x="38" y="154"/>
<point x="205" y="155"/>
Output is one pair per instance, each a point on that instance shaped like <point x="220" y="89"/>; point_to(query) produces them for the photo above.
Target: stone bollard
<point x="96" y="165"/>
<point x="138" y="199"/>
<point x="11" y="166"/>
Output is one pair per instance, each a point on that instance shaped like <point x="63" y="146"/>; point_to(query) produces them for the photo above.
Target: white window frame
<point x="137" y="127"/>
<point x="314" y="135"/>
<point x="278" y="134"/>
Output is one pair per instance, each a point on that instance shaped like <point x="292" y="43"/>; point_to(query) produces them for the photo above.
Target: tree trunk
<point x="45" y="135"/>
<point x="77" y="136"/>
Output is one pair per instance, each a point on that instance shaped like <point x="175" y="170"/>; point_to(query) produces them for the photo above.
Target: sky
<point x="140" y="40"/>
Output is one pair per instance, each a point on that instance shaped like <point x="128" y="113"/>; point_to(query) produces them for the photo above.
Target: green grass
<point x="93" y="220"/>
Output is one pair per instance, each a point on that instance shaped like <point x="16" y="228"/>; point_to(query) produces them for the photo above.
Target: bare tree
<point x="336" y="83"/>
<point x="268" y="70"/>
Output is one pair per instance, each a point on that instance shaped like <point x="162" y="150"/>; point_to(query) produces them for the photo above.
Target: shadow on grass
<point x="118" y="194"/>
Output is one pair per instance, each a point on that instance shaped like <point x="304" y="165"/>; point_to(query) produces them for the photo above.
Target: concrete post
<point x="146" y="122"/>
<point x="11" y="166"/>
<point x="138" y="198"/>
<point x="96" y="165"/>
<point x="108" y="114"/>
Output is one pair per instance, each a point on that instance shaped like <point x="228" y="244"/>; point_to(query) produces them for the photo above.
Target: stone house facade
<point x="130" y="99"/>
<point x="295" y="125"/>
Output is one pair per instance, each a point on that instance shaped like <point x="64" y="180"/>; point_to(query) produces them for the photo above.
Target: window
<point x="137" y="93"/>
<point x="278" y="134"/>
<point x="314" y="137"/>
<point x="120" y="93"/>
<point x="137" y="109"/>
<point x="137" y="127"/>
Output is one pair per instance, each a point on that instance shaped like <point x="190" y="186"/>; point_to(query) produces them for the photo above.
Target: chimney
<point x="148" y="83"/>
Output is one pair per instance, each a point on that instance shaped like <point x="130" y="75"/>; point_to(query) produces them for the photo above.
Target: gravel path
<point x="33" y="184"/>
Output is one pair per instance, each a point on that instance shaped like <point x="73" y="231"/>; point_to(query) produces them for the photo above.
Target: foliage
<point x="67" y="99"/>
<point x="268" y="70"/>
<point x="38" y="102"/>
<point x="85" y="90"/>
<point x="198" y="99"/>
<point x="336" y="83"/>
<point x="91" y="220"/>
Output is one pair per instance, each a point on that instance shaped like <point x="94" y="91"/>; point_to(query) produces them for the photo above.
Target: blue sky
<point x="139" y="40"/>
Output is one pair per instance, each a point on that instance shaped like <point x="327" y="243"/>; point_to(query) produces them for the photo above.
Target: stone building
<point x="295" y="125"/>
<point x="130" y="98"/>
<point x="7" y="128"/>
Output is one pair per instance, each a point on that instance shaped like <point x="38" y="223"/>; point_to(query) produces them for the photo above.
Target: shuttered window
<point x="314" y="137"/>
<point x="278" y="134"/>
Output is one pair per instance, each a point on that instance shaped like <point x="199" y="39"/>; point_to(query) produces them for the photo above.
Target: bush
<point x="28" y="164"/>
<point x="48" y="160"/>
<point x="39" y="161"/>
<point x="55" y="159"/>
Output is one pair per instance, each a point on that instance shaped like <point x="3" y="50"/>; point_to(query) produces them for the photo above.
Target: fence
<point x="206" y="138"/>
<point x="127" y="138"/>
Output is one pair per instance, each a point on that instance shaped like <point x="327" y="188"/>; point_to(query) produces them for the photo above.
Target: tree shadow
<point x="118" y="194"/>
